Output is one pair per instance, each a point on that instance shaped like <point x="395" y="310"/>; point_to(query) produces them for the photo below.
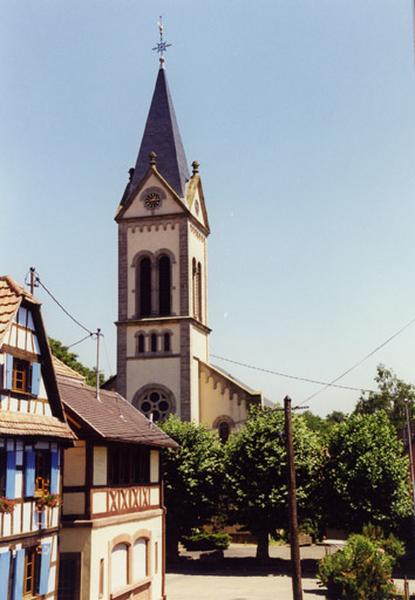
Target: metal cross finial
<point x="162" y="45"/>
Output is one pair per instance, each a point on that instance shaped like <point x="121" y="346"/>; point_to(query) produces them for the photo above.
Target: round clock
<point x="152" y="200"/>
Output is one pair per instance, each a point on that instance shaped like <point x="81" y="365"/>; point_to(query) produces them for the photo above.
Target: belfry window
<point x="153" y="342"/>
<point x="197" y="289"/>
<point x="167" y="342"/>
<point x="143" y="285"/>
<point x="164" y="268"/>
<point x="140" y="343"/>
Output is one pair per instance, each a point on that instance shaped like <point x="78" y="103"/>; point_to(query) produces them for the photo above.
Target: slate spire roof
<point x="162" y="136"/>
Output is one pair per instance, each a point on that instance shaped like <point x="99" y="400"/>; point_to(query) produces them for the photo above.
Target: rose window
<point x="155" y="403"/>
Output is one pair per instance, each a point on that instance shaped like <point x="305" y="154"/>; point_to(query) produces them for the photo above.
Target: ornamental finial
<point x="161" y="46"/>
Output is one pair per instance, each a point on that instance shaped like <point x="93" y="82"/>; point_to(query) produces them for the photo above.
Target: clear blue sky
<point x="301" y="114"/>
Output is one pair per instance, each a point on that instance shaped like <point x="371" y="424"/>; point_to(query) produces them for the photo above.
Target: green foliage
<point x="391" y="397"/>
<point x="362" y="570"/>
<point x="394" y="547"/>
<point x="366" y="474"/>
<point x="256" y="466"/>
<point x="71" y="360"/>
<point x="193" y="476"/>
<point x="202" y="540"/>
<point x="320" y="425"/>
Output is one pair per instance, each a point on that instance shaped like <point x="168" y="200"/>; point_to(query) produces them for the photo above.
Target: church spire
<point x="161" y="134"/>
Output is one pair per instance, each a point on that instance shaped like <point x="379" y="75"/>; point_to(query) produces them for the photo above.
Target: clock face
<point x="152" y="200"/>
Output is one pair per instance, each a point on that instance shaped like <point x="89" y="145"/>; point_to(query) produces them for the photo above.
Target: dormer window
<point x="22" y="376"/>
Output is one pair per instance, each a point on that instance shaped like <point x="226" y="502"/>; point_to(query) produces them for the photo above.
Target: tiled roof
<point x="111" y="417"/>
<point x="64" y="371"/>
<point x="10" y="297"/>
<point x="162" y="136"/>
<point x="17" y="423"/>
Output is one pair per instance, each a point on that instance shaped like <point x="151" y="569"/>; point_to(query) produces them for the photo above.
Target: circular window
<point x="155" y="403"/>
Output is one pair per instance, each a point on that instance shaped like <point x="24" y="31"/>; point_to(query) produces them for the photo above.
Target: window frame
<point x="24" y="373"/>
<point x="33" y="558"/>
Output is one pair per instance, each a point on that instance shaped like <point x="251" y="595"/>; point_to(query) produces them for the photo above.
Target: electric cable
<point x="288" y="376"/>
<point x="62" y="307"/>
<point x="360" y="362"/>
<point x="81" y="340"/>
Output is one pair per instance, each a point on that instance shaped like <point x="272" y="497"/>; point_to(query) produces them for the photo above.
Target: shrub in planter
<point x="202" y="540"/>
<point x="362" y="570"/>
<point x="44" y="499"/>
<point x="6" y="505"/>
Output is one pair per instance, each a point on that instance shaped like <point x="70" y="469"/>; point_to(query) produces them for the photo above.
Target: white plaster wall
<point x="198" y="250"/>
<point x="146" y="328"/>
<point x="163" y="370"/>
<point x="154" y="466"/>
<point x="153" y="238"/>
<point x="100" y="548"/>
<point x="168" y="206"/>
<point x="74" y="465"/>
<point x="100" y="465"/>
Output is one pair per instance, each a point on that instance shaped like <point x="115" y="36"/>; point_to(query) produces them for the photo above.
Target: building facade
<point x="162" y="329"/>
<point x="113" y="537"/>
<point x="33" y="432"/>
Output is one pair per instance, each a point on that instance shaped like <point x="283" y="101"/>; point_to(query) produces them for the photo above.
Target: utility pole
<point x="411" y="457"/>
<point x="98" y="334"/>
<point x="292" y="496"/>
<point x="32" y="282"/>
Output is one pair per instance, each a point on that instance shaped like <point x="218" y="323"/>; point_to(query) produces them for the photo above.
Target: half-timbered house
<point x="112" y="542"/>
<point x="33" y="430"/>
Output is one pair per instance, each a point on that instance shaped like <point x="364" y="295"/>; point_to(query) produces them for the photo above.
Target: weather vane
<point x="162" y="46"/>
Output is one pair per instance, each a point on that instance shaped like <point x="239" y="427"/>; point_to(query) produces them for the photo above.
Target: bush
<point x="362" y="570"/>
<point x="206" y="541"/>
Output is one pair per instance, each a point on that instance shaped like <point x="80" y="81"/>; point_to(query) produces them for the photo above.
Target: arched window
<point x="143" y="287"/>
<point x="199" y="290"/>
<point x="194" y="288"/>
<point x="141" y="343"/>
<point x="140" y="559"/>
<point x="224" y="431"/>
<point x="164" y="285"/>
<point x="119" y="567"/>
<point x="153" y="340"/>
<point x="167" y="342"/>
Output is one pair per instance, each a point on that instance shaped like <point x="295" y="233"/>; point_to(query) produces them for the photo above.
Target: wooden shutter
<point x="8" y="371"/>
<point x="11" y="474"/>
<point x="29" y="472"/>
<point x="4" y="575"/>
<point x="44" y="569"/>
<point x="54" y="474"/>
<point x="35" y="379"/>
<point x="17" y="589"/>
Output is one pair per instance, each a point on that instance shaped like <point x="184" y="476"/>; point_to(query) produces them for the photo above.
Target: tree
<point x="366" y="476"/>
<point x="71" y="360"/>
<point x="391" y="397"/>
<point x="322" y="425"/>
<point x="193" y="479"/>
<point x="256" y="466"/>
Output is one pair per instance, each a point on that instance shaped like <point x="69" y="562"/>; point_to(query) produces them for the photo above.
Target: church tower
<point x="162" y="331"/>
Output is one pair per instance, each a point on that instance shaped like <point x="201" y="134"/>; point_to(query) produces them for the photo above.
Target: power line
<point x="87" y="337"/>
<point x="62" y="307"/>
<point x="295" y="377"/>
<point x="361" y="361"/>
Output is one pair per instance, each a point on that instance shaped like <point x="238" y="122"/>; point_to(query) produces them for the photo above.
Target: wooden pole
<point x="292" y="495"/>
